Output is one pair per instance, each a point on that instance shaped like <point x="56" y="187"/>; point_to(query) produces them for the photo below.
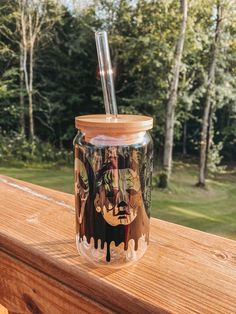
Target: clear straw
<point x="106" y="73"/>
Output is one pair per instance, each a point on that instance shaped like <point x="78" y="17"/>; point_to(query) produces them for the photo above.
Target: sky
<point x="76" y="4"/>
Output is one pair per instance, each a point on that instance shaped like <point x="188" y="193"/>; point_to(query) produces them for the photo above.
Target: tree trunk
<point x="28" y="50"/>
<point x="30" y="96"/>
<point x="185" y="139"/>
<point x="33" y="20"/>
<point x="23" y="28"/>
<point x="22" y="105"/>
<point x="205" y="136"/>
<point x="171" y="103"/>
<point x="30" y="91"/>
<point x="209" y="141"/>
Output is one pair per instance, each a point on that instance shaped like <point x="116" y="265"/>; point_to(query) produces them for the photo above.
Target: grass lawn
<point x="212" y="210"/>
<point x="55" y="178"/>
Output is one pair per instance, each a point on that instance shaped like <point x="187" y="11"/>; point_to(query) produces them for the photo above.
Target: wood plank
<point x="3" y="310"/>
<point x="183" y="271"/>
<point x="26" y="290"/>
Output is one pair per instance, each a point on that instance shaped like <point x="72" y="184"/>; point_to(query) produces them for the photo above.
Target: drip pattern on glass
<point x="113" y="196"/>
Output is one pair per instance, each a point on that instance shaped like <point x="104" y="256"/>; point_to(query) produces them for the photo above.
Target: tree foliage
<point x="142" y="37"/>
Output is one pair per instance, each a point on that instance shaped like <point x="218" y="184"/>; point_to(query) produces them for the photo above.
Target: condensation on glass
<point x="113" y="169"/>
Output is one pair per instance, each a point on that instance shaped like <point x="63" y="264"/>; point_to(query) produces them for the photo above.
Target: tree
<point x="9" y="90"/>
<point x="21" y="77"/>
<point x="141" y="35"/>
<point x="34" y="20"/>
<point x="67" y="83"/>
<point x="209" y="98"/>
<point x="172" y="99"/>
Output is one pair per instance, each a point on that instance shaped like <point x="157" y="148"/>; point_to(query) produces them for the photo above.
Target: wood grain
<point x="183" y="271"/>
<point x="26" y="290"/>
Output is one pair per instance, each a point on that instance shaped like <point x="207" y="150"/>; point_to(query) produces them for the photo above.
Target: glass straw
<point x="106" y="73"/>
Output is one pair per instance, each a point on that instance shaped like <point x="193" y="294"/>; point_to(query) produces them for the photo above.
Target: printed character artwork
<point x="81" y="187"/>
<point x="118" y="190"/>
<point x="109" y="189"/>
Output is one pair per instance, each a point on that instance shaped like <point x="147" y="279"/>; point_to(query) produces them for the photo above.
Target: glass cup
<point x="113" y="169"/>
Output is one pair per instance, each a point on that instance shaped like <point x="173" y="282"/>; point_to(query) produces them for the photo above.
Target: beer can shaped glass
<point x="113" y="170"/>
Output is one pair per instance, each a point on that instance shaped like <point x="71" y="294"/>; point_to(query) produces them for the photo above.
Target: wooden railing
<point x="183" y="271"/>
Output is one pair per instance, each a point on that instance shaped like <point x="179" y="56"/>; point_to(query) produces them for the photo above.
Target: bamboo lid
<point x="124" y="124"/>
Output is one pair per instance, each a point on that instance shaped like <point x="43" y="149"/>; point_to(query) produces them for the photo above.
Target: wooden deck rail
<point x="183" y="271"/>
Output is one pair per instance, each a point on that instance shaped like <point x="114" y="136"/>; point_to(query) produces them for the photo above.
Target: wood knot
<point x="31" y="305"/>
<point x="220" y="255"/>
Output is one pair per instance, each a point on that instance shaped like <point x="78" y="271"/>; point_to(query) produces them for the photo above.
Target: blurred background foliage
<point x="142" y="37"/>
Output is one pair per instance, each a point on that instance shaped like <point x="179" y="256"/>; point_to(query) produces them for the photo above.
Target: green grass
<point x="60" y="179"/>
<point x="212" y="209"/>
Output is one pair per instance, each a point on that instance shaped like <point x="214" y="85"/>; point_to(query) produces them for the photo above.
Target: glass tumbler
<point x="113" y="169"/>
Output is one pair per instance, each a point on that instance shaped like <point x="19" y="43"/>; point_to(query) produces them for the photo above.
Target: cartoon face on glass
<point x="81" y="187"/>
<point x="118" y="196"/>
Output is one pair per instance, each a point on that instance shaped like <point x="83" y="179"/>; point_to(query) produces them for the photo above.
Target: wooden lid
<point x="124" y="123"/>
